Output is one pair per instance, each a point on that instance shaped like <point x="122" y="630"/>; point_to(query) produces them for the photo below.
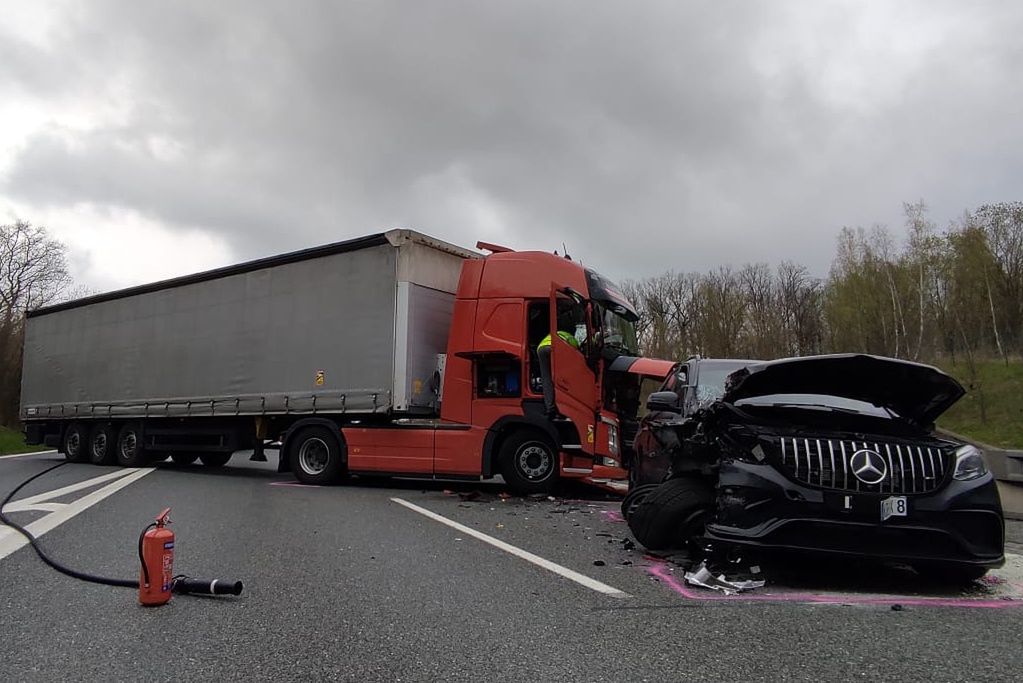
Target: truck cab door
<point x="575" y="383"/>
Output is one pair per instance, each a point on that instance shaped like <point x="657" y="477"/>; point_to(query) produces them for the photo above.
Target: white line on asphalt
<point x="22" y="455"/>
<point x="64" y="490"/>
<point x="569" y="574"/>
<point x="11" y="540"/>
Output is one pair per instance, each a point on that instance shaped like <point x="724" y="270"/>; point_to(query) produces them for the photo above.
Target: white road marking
<point x="565" y="572"/>
<point x="11" y="540"/>
<point x="24" y="503"/>
<point x="22" y="455"/>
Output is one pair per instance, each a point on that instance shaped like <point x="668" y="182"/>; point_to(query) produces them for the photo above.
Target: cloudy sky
<point x="159" y="138"/>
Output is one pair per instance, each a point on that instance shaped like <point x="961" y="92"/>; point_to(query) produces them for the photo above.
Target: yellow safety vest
<point x="569" y="338"/>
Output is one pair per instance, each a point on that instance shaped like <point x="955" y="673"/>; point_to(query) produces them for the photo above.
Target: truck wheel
<point x="76" y="443"/>
<point x="316" y="457"/>
<point x="529" y="463"/>
<point x="672" y="514"/>
<point x="213" y="460"/>
<point x="184" y="458"/>
<point x="102" y="444"/>
<point x="130" y="450"/>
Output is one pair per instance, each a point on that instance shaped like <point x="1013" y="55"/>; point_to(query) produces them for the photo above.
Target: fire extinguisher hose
<point x="34" y="542"/>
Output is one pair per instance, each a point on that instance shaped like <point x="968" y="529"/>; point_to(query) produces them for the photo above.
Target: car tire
<point x="184" y="458"/>
<point x="953" y="575"/>
<point x="529" y="463"/>
<point x="103" y="444"/>
<point x="131" y="451"/>
<point x="316" y="456"/>
<point x="214" y="460"/>
<point x="634" y="497"/>
<point x="673" y="513"/>
<point x="76" y="443"/>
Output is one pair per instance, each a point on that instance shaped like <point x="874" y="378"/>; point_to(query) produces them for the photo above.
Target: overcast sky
<point x="160" y="138"/>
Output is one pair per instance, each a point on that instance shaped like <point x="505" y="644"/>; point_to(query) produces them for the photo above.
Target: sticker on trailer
<point x="321" y="377"/>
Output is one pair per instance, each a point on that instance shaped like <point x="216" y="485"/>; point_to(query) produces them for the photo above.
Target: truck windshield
<point x="619" y="333"/>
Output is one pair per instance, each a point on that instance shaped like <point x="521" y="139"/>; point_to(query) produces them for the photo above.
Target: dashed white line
<point x="11" y="540"/>
<point x="565" y="572"/>
<point x="23" y="455"/>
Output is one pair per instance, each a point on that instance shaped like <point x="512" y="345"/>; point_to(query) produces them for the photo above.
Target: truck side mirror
<point x="663" y="402"/>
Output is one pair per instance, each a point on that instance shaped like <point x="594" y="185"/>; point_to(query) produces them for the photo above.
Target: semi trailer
<point x="390" y="354"/>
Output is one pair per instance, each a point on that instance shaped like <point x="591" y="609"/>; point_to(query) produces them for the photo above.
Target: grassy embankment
<point x="1002" y="388"/>
<point x="11" y="441"/>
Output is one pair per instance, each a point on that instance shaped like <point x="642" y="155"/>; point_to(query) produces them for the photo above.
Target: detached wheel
<point x="316" y="457"/>
<point x="214" y="460"/>
<point x="102" y="444"/>
<point x="529" y="463"/>
<point x="131" y="452"/>
<point x="950" y="574"/>
<point x="76" y="440"/>
<point x="634" y="497"/>
<point x="673" y="513"/>
<point x="184" y="458"/>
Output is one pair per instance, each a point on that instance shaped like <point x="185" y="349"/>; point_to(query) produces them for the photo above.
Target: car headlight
<point x="612" y="439"/>
<point x="969" y="464"/>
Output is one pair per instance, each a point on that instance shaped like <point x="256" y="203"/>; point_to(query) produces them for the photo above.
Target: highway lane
<point x="344" y="583"/>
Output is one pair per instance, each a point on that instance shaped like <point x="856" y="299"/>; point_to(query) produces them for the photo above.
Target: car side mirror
<point x="663" y="402"/>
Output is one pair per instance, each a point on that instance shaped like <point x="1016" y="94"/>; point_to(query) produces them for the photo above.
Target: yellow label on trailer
<point x="320" y="378"/>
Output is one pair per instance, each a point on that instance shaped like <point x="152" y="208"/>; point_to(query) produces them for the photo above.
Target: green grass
<point x="1002" y="388"/>
<point x="11" y="441"/>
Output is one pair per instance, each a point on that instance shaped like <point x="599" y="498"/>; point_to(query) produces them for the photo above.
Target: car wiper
<point x="835" y="409"/>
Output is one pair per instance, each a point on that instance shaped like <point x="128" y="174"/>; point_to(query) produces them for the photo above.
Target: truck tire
<point x="672" y="514"/>
<point x="184" y="457"/>
<point x="102" y="444"/>
<point x="131" y="452"/>
<point x="76" y="443"/>
<point x="316" y="456"/>
<point x="214" y="460"/>
<point x="529" y="462"/>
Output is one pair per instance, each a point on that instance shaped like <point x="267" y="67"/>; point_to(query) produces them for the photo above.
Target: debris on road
<point x="599" y="563"/>
<point x="704" y="578"/>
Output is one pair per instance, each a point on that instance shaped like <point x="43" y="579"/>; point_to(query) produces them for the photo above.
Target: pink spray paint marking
<point x="660" y="571"/>
<point x="612" y="516"/>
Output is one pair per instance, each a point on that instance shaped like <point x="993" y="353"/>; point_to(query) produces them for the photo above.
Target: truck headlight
<point x="969" y="464"/>
<point x="612" y="439"/>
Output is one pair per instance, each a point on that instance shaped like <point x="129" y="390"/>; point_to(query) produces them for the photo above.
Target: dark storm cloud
<point x="645" y="136"/>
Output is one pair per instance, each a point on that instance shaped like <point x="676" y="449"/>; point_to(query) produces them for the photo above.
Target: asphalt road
<point x="345" y="583"/>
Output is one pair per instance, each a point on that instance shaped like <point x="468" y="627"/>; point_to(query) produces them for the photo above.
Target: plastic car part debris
<point x="704" y="578"/>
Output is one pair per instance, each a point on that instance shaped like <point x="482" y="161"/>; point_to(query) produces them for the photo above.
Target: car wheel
<point x="316" y="456"/>
<point x="131" y="452"/>
<point x="635" y="496"/>
<point x="529" y="463"/>
<point x="673" y="513"/>
<point x="214" y="460"/>
<point x="102" y="444"/>
<point x="184" y="457"/>
<point x="951" y="574"/>
<point x="76" y="443"/>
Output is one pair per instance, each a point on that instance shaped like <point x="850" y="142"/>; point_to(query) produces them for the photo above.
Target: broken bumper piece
<point x="704" y="578"/>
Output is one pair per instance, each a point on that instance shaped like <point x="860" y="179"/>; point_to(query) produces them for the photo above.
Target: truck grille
<point x="828" y="463"/>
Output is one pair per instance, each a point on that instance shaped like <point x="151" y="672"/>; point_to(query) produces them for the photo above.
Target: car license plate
<point x="895" y="506"/>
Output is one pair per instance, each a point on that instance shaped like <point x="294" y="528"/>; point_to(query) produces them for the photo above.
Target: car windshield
<point x="711" y="378"/>
<point x="817" y="402"/>
<point x="619" y="333"/>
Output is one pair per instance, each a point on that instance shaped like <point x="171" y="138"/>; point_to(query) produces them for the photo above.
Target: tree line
<point x="924" y="295"/>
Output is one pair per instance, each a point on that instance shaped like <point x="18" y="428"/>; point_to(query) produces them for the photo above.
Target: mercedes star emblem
<point x="868" y="466"/>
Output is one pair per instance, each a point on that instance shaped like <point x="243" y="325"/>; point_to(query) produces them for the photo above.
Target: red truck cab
<point x="492" y="417"/>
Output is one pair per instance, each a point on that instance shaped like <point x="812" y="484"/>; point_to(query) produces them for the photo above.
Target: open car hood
<point x="916" y="392"/>
<point x="644" y="367"/>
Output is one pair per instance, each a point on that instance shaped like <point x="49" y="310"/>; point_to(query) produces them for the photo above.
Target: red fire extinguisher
<point x="156" y="552"/>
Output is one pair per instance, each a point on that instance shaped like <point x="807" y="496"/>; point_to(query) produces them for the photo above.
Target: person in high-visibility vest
<point x="543" y="353"/>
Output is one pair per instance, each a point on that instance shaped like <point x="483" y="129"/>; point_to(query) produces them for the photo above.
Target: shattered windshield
<point x="711" y="379"/>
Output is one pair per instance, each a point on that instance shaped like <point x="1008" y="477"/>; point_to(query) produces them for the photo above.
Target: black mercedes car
<point x="829" y="454"/>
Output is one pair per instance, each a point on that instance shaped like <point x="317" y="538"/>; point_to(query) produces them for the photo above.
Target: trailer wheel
<point x="76" y="440"/>
<point x="214" y="460"/>
<point x="184" y="457"/>
<point x="529" y="462"/>
<point x="131" y="452"/>
<point x="102" y="444"/>
<point x="316" y="456"/>
<point x="672" y="514"/>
